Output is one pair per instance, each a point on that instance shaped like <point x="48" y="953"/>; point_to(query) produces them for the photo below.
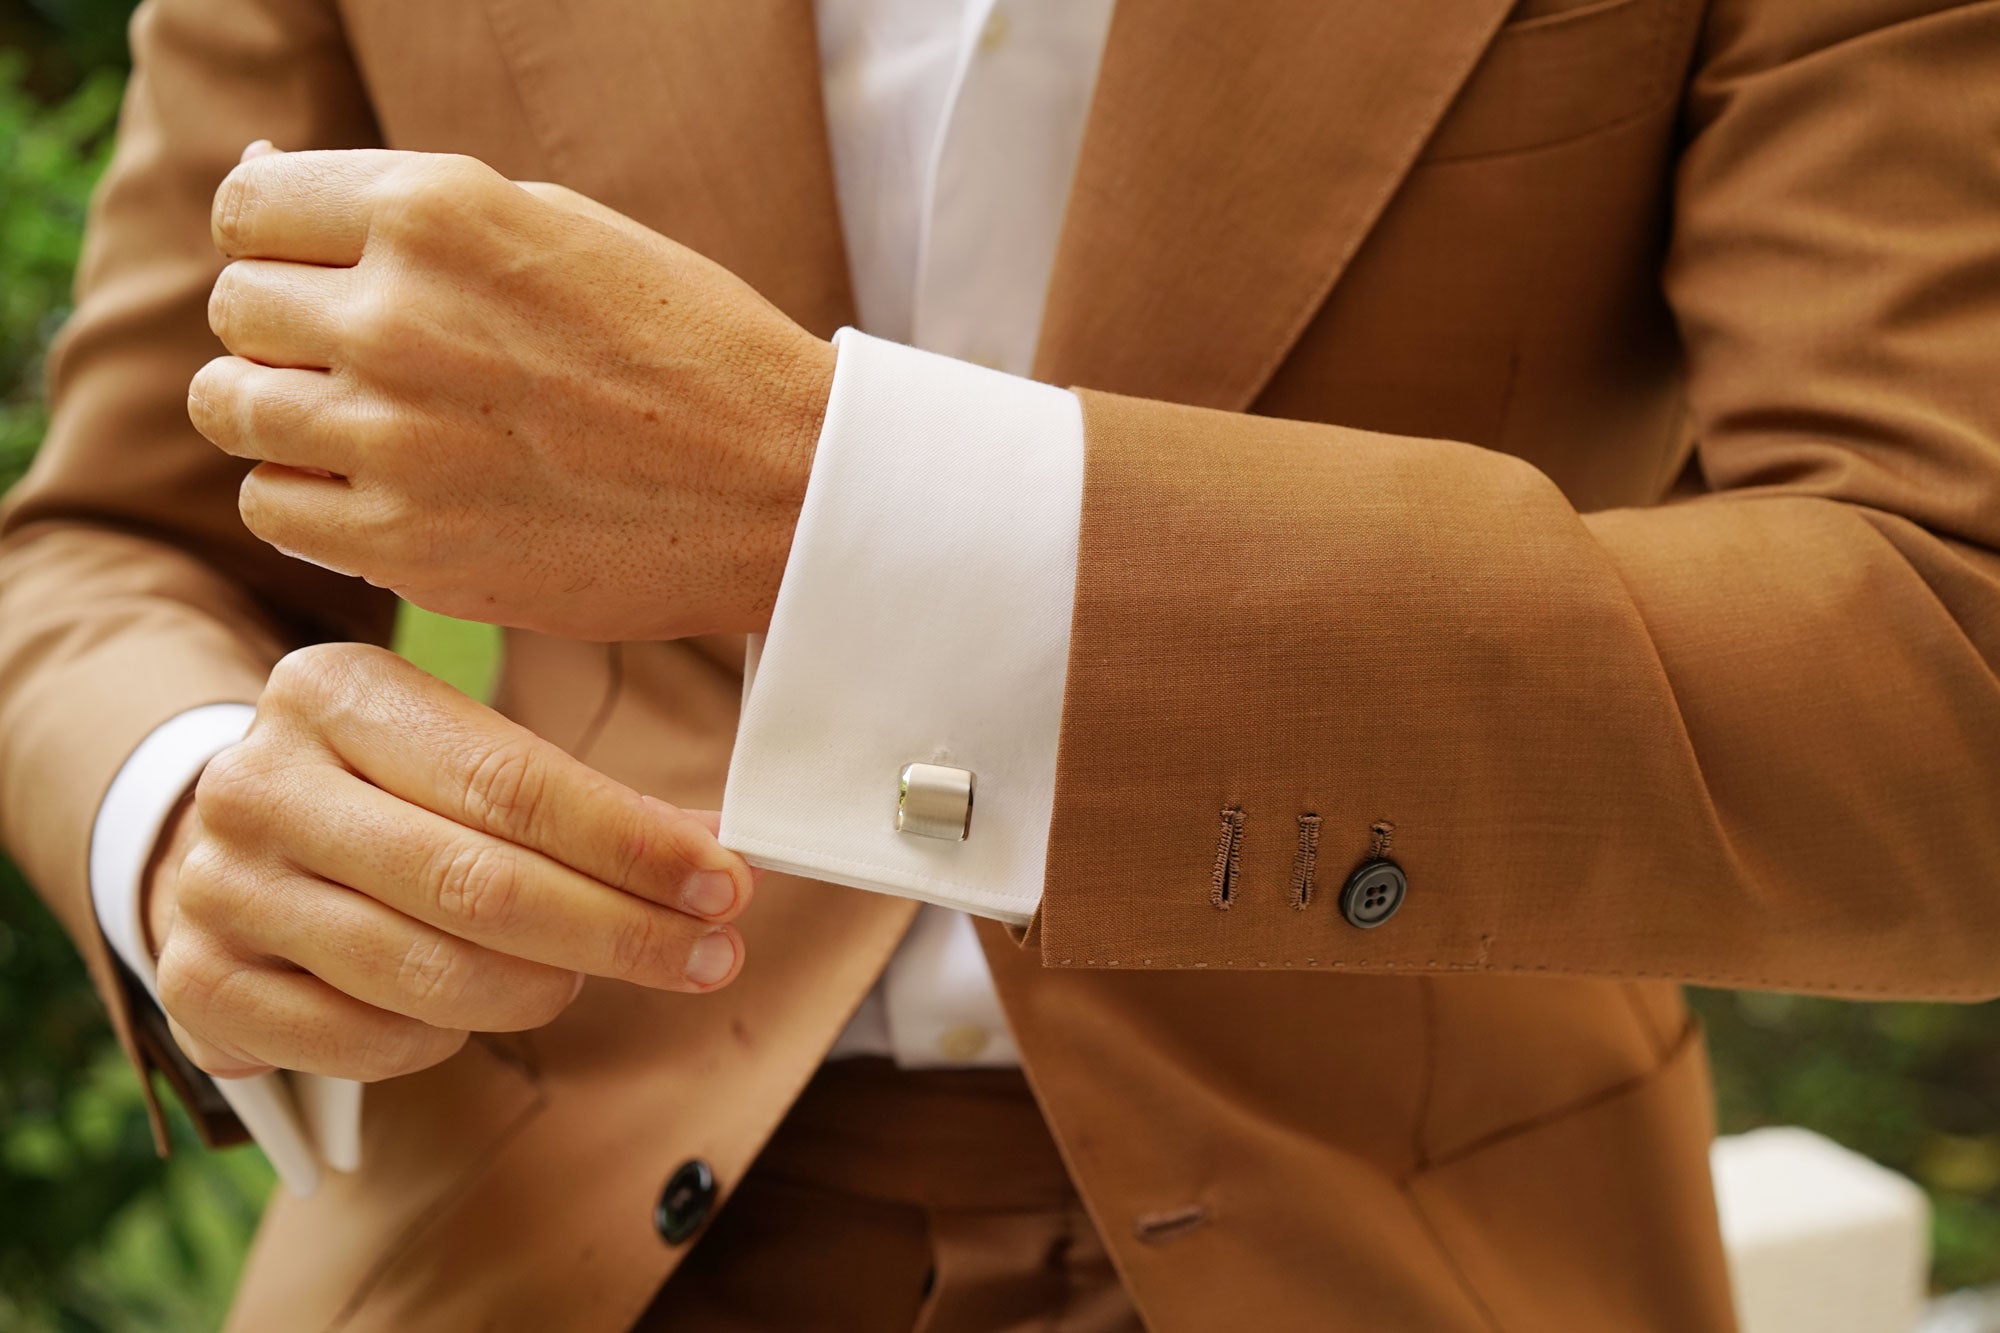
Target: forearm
<point x="1742" y="741"/>
<point x="1747" y="737"/>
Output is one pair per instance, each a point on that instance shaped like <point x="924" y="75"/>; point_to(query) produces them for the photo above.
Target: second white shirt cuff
<point x="301" y="1121"/>
<point x="924" y="617"/>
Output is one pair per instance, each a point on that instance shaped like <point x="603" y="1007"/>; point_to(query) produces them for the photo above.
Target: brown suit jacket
<point x="1564" y="434"/>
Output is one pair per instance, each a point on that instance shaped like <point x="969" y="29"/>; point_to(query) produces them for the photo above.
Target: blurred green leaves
<point x="96" y="1232"/>
<point x="1914" y="1086"/>
<point x="68" y="39"/>
<point x="49" y="157"/>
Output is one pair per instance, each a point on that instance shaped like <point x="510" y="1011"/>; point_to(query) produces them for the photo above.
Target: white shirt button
<point x="994" y="34"/>
<point x="964" y="1042"/>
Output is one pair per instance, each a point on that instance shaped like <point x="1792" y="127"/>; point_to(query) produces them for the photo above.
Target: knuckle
<point x="434" y="975"/>
<point x="264" y="519"/>
<point x="226" y="219"/>
<point x="641" y="951"/>
<point x="388" y="1049"/>
<point x="252" y="414"/>
<point x="545" y="1001"/>
<point x="204" y="890"/>
<point x="386" y="514"/>
<point x="221" y="304"/>
<point x="216" y="1063"/>
<point x="430" y="196"/>
<point x="230" y="789"/>
<point x="406" y="204"/>
<point x="397" y="1048"/>
<point x="208" y="395"/>
<point x="191" y="978"/>
<point x="321" y="677"/>
<point x="478" y="886"/>
<point x="411" y="536"/>
<point x="378" y="435"/>
<point x="172" y="983"/>
<point x="380" y="326"/>
<point x="463" y="175"/>
<point x="636" y="846"/>
<point x="504" y="788"/>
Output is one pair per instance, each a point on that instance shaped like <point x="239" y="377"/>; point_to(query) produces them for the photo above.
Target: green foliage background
<point x="96" y="1233"/>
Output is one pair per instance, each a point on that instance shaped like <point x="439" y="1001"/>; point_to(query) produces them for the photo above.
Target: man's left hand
<point x="506" y="403"/>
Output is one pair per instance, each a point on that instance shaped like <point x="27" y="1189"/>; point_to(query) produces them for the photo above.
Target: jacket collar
<point x="1232" y="166"/>
<point x="1235" y="158"/>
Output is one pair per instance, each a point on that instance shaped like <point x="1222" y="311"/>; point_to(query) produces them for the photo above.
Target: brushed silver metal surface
<point x="934" y="801"/>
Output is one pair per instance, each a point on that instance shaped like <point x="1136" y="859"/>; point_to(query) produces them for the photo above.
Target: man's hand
<point x="506" y="403"/>
<point x="383" y="865"/>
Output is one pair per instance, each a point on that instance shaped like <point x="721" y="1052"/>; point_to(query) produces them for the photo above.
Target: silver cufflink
<point x="933" y="801"/>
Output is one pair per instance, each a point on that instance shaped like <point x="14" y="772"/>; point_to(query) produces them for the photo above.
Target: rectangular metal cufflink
<point x="935" y="802"/>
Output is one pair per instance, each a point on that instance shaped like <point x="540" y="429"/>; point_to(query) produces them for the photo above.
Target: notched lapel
<point x="700" y="118"/>
<point x="1235" y="159"/>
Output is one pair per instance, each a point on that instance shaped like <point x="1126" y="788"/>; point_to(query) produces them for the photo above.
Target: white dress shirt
<point x="924" y="613"/>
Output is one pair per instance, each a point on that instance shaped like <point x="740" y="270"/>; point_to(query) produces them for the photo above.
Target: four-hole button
<point x="1373" y="894"/>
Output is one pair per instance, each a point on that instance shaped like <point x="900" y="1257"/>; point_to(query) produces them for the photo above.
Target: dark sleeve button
<point x="686" y="1201"/>
<point x="1373" y="894"/>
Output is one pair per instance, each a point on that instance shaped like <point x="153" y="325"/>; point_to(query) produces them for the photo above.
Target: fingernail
<point x="577" y="989"/>
<point x="711" y="959"/>
<point x="256" y="149"/>
<point x="709" y="893"/>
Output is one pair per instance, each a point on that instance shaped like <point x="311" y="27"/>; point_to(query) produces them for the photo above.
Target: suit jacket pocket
<point x="1556" y="76"/>
<point x="1599" y="1217"/>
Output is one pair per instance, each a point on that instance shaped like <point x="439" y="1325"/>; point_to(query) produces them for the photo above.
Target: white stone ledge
<point x="1820" y="1239"/>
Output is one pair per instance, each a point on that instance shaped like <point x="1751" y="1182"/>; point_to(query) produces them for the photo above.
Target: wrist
<point x="793" y="439"/>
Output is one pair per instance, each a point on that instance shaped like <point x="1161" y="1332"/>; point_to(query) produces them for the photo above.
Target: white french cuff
<point x="301" y="1121"/>
<point x="924" y="618"/>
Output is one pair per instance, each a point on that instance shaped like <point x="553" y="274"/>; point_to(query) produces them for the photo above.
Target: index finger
<point x="309" y="207"/>
<point x="423" y="741"/>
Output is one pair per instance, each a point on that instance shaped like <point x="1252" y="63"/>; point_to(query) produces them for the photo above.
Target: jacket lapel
<point x="701" y="119"/>
<point x="1232" y="166"/>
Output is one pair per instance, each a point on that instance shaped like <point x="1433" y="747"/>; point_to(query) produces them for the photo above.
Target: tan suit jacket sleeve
<point x="129" y="590"/>
<point x="1748" y="738"/>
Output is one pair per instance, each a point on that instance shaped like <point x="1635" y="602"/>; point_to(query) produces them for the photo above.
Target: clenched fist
<point x="383" y="866"/>
<point x="505" y="402"/>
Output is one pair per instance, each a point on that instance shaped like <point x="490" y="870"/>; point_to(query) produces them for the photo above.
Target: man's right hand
<point x="384" y="865"/>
